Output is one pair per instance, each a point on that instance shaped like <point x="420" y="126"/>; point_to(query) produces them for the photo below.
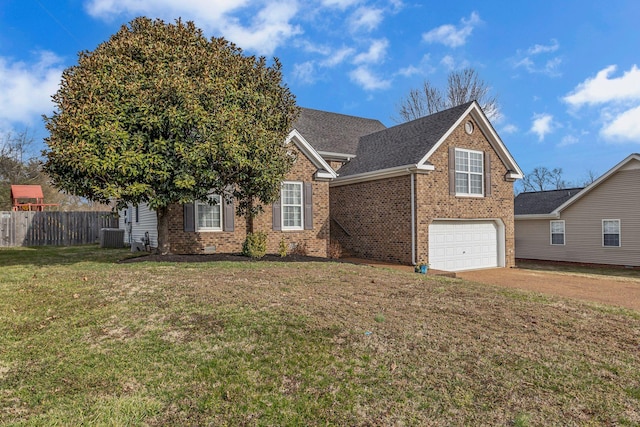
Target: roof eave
<point x="552" y="215"/>
<point x="494" y="139"/>
<point x="380" y="174"/>
<point x="325" y="171"/>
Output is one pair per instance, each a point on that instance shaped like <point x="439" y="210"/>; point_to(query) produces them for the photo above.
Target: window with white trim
<point x="557" y="232"/>
<point x="209" y="216"/>
<point x="469" y="173"/>
<point x="292" y="209"/>
<point x="611" y="232"/>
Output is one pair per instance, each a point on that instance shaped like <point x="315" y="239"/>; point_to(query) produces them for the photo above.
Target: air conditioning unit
<point x="111" y="238"/>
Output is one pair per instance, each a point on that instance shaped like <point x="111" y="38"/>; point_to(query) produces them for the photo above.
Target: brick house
<point x="438" y="189"/>
<point x="199" y="227"/>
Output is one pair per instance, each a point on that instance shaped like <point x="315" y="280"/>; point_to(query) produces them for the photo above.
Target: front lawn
<point x="86" y="340"/>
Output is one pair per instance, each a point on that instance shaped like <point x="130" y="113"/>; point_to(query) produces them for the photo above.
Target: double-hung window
<point x="292" y="209"/>
<point x="469" y="173"/>
<point x="557" y="232"/>
<point x="611" y="232"/>
<point x="209" y="216"/>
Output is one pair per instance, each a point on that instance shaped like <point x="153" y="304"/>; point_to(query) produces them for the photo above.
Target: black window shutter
<point x="452" y="171"/>
<point x="308" y="206"/>
<point x="189" y="217"/>
<point x="228" y="214"/>
<point x="277" y="217"/>
<point x="487" y="174"/>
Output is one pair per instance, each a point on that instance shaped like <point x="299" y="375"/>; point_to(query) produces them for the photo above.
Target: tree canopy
<point x="160" y="114"/>
<point x="462" y="86"/>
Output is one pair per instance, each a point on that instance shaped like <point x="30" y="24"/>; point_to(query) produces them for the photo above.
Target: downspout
<point x="413" y="219"/>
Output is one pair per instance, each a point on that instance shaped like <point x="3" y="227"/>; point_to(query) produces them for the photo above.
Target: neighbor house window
<point x="209" y="217"/>
<point x="292" y="206"/>
<point x="469" y="173"/>
<point x="557" y="232"/>
<point x="610" y="232"/>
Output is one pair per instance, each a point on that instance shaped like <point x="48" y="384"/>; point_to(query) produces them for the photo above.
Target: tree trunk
<point x="249" y="218"/>
<point x="163" y="230"/>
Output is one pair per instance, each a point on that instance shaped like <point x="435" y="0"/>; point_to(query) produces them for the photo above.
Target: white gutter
<point x="379" y="174"/>
<point x="551" y="215"/>
<point x="413" y="219"/>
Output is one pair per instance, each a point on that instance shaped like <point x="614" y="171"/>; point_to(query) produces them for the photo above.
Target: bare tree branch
<point x="463" y="86"/>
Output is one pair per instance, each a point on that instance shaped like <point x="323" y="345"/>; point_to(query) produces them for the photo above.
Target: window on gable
<point x="469" y="173"/>
<point x="208" y="216"/>
<point x="557" y="232"/>
<point x="611" y="232"/>
<point x="292" y="206"/>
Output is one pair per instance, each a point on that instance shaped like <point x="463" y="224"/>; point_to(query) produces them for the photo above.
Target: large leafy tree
<point x="462" y="86"/>
<point x="161" y="114"/>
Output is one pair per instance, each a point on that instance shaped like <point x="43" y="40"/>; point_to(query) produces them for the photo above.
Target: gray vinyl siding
<point x="147" y="222"/>
<point x="618" y="197"/>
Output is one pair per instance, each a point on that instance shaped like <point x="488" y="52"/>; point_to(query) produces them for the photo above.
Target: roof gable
<point x="324" y="172"/>
<point x="409" y="145"/>
<point x="630" y="162"/>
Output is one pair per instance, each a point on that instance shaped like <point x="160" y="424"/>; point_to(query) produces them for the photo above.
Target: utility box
<point x="111" y="238"/>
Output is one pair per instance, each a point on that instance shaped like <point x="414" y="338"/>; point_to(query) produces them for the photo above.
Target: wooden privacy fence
<point x="25" y="228"/>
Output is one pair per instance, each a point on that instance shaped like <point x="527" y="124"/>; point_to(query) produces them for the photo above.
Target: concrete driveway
<point x="610" y="290"/>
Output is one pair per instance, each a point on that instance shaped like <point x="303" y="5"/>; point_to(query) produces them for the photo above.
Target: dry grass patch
<point x="265" y="343"/>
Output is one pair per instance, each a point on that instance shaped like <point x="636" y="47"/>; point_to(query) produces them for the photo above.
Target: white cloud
<point x="602" y="89"/>
<point x="509" y="129"/>
<point x="269" y="28"/>
<point x="452" y="36"/>
<point x="450" y="63"/>
<point x="540" y="48"/>
<point x="376" y="52"/>
<point x="625" y="127"/>
<point x="26" y="89"/>
<point x="423" y="68"/>
<point x="366" y="19"/>
<point x="337" y="57"/>
<point x="531" y="58"/>
<point x="618" y="100"/>
<point x="339" y="4"/>
<point x="304" y="72"/>
<point x="365" y="78"/>
<point x="542" y="125"/>
<point x="568" y="140"/>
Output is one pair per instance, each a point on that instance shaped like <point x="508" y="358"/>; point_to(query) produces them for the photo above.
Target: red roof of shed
<point x="26" y="192"/>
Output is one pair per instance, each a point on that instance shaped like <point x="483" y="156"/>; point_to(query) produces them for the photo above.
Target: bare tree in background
<point x="463" y="86"/>
<point x="590" y="177"/>
<point x="542" y="179"/>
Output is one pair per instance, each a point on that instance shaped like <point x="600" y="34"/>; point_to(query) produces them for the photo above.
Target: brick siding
<point x="377" y="214"/>
<point x="315" y="240"/>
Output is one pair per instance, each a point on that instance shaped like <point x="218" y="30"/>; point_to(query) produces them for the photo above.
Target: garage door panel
<point x="463" y="245"/>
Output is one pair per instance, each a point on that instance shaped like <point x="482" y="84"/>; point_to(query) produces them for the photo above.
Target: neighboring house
<point x="598" y="224"/>
<point x="438" y="189"/>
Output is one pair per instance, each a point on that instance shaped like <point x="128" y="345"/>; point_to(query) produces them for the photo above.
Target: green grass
<point x="85" y="340"/>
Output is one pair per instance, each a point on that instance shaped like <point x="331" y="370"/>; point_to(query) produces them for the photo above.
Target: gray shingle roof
<point x="542" y="202"/>
<point x="332" y="132"/>
<point x="404" y="144"/>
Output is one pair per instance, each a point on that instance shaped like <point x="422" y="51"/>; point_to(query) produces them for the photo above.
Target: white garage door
<point x="463" y="245"/>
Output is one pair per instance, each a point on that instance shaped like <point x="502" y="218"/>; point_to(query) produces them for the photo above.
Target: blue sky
<point x="565" y="72"/>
